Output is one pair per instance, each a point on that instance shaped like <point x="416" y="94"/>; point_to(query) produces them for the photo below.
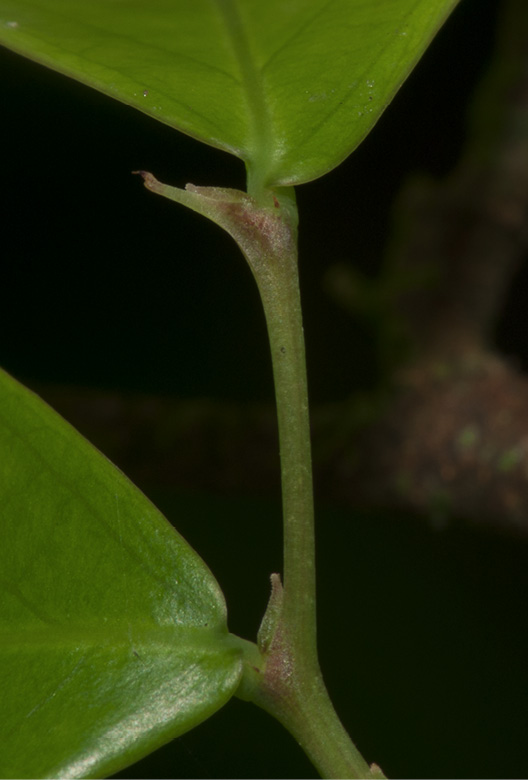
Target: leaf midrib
<point x="261" y="128"/>
<point x="133" y="636"/>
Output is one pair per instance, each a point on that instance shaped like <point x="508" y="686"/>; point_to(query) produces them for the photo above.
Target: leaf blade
<point x="108" y="734"/>
<point x="290" y="88"/>
<point x="113" y="635"/>
<point x="125" y="51"/>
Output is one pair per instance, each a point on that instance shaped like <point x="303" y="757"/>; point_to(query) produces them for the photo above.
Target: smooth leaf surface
<point x="113" y="634"/>
<point x="291" y="87"/>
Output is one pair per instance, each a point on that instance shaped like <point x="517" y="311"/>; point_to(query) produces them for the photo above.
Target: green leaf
<point x="113" y="636"/>
<point x="290" y="87"/>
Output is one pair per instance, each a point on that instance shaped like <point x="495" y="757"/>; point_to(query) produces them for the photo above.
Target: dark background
<point x="423" y="632"/>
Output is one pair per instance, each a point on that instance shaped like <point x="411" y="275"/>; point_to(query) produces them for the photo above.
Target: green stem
<point x="305" y="710"/>
<point x="282" y="306"/>
<point x="292" y="688"/>
<point x="283" y="675"/>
